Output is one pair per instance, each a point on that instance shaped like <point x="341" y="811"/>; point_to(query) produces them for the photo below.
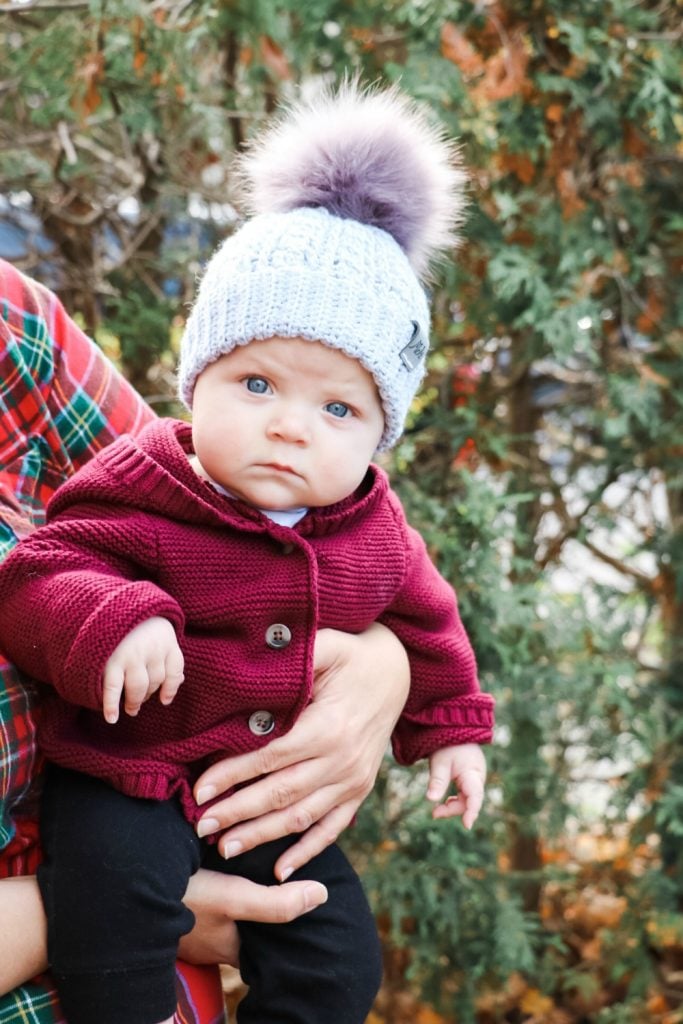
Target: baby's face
<point x="286" y="423"/>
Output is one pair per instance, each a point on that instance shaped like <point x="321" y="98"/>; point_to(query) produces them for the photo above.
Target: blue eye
<point x="257" y="385"/>
<point x="338" y="409"/>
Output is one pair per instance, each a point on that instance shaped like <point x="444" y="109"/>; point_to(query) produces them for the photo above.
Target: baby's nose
<point x="291" y="426"/>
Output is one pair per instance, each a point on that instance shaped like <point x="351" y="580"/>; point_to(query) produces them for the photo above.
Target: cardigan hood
<point x="153" y="471"/>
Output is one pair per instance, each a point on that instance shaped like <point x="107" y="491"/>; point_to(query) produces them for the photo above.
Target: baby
<point x="198" y="562"/>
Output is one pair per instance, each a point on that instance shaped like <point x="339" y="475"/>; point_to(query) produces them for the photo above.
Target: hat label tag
<point x="415" y="350"/>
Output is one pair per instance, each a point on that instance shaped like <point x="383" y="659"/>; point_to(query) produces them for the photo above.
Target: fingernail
<point x="312" y="896"/>
<point x="286" y="872"/>
<point x="232" y="848"/>
<point x="205" y="793"/>
<point x="206" y="826"/>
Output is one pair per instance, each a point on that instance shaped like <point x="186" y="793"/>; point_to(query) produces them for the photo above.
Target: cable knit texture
<point x="137" y="534"/>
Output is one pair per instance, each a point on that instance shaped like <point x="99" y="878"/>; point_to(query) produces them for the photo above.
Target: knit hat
<point x="352" y="196"/>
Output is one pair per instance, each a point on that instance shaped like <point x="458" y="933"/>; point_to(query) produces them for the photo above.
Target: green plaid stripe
<point x="79" y="423"/>
<point x="35" y="1003"/>
<point x="60" y="399"/>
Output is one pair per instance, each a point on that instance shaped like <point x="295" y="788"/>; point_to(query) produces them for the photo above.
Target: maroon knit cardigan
<point x="136" y="534"/>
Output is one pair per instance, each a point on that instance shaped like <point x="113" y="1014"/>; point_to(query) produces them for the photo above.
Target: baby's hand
<point x="465" y="765"/>
<point x="147" y="659"/>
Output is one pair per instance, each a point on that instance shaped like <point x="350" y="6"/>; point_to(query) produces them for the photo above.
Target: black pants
<point x="115" y="871"/>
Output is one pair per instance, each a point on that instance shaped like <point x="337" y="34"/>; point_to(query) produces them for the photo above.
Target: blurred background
<point x="542" y="460"/>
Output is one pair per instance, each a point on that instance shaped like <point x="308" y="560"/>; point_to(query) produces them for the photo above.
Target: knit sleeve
<point x="71" y="591"/>
<point x="445" y="705"/>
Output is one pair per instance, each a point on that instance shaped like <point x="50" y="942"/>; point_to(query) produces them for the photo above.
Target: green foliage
<point x="542" y="461"/>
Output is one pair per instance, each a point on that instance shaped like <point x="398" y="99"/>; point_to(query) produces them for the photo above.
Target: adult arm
<point x="216" y="900"/>
<point x="23" y="936"/>
<point x="314" y="779"/>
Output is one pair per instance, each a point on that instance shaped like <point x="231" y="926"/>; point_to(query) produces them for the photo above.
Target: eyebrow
<point x="269" y="364"/>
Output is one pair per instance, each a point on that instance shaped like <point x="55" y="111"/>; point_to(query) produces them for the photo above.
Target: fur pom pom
<point x="370" y="155"/>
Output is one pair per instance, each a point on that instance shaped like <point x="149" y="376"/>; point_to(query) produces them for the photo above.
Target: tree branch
<point x="645" y="581"/>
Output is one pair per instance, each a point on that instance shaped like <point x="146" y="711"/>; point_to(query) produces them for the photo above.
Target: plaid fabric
<point x="200" y="1000"/>
<point x="60" y="402"/>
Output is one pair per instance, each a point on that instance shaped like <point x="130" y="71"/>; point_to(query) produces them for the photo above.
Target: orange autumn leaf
<point x="554" y="855"/>
<point x="365" y="37"/>
<point x="426" y="1015"/>
<point x="568" y="192"/>
<point x="592" y="949"/>
<point x="629" y="171"/>
<point x="521" y="236"/>
<point x="519" y="164"/>
<point x="575" y="68"/>
<point x="92" y="72"/>
<point x="139" y="61"/>
<point x="274" y="58"/>
<point x="554" y="112"/>
<point x="535" y="1003"/>
<point x="594" y="909"/>
<point x="504" y="861"/>
<point x="634" y="143"/>
<point x="657" y="1003"/>
<point x="505" y="74"/>
<point x="648" y="319"/>
<point x="467" y="457"/>
<point x="456" y="48"/>
<point x="567" y="143"/>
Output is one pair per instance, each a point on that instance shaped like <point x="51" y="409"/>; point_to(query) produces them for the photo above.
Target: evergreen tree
<point x="542" y="459"/>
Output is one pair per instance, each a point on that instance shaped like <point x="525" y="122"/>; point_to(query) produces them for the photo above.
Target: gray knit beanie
<point x="353" y="195"/>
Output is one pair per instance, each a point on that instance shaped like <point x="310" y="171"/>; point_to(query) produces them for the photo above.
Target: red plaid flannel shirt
<point x="60" y="402"/>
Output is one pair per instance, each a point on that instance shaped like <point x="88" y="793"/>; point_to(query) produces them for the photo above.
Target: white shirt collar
<point x="282" y="516"/>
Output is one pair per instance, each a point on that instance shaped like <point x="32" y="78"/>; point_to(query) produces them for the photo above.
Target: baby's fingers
<point x="438" y="784"/>
<point x="473" y="802"/>
<point x="173" y="675"/>
<point x="439" y="775"/>
<point x="453" y="808"/>
<point x="111" y="693"/>
<point x="137" y="688"/>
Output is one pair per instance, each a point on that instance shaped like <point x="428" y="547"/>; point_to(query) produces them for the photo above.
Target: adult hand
<point x="314" y="779"/>
<point x="217" y="901"/>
